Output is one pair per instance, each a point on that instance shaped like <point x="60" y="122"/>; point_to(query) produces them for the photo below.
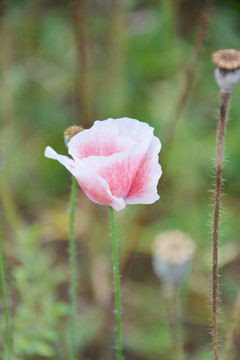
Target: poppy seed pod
<point x="227" y="73"/>
<point x="172" y="256"/>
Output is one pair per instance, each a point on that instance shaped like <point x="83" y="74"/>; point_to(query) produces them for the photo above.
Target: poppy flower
<point x="115" y="162"/>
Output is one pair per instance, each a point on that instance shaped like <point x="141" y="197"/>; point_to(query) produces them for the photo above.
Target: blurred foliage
<point x="38" y="315"/>
<point x="137" y="53"/>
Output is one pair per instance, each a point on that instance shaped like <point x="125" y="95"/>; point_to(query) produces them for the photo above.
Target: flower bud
<point x="227" y="73"/>
<point x="172" y="256"/>
<point x="70" y="132"/>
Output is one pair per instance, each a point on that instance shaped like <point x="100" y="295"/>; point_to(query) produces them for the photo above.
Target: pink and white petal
<point x="64" y="160"/>
<point x="119" y="170"/>
<point x="96" y="188"/>
<point x="102" y="139"/>
<point x="133" y="128"/>
<point x="144" y="186"/>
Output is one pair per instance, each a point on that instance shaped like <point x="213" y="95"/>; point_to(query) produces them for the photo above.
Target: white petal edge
<point x="84" y="175"/>
<point x="133" y="128"/>
<point x="125" y="127"/>
<point x="103" y="134"/>
<point x="150" y="195"/>
<point x="64" y="160"/>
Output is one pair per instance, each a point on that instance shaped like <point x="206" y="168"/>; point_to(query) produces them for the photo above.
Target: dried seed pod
<point x="228" y="59"/>
<point x="227" y="72"/>
<point x="172" y="255"/>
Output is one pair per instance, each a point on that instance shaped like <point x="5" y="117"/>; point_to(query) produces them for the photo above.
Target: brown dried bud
<point x="70" y="132"/>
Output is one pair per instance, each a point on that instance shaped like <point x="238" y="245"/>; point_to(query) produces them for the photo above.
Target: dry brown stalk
<point x="221" y="130"/>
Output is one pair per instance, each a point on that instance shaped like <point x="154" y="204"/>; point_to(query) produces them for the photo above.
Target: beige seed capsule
<point x="227" y="59"/>
<point x="172" y="255"/>
<point x="227" y="72"/>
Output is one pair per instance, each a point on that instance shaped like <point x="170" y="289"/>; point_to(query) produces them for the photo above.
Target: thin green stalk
<point x="73" y="265"/>
<point x="171" y="298"/>
<point x="5" y="298"/>
<point x="117" y="285"/>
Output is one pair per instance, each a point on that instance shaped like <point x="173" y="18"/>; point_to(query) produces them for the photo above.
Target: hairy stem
<point x="221" y="130"/>
<point x="232" y="329"/>
<point x="5" y="298"/>
<point x="117" y="285"/>
<point x="73" y="265"/>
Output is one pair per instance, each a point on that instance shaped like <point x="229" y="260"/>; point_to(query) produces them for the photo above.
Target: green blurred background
<point x="72" y="62"/>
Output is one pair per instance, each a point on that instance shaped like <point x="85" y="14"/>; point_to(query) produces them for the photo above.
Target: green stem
<point x="171" y="298"/>
<point x="73" y="265"/>
<point x="6" y="302"/>
<point x="117" y="286"/>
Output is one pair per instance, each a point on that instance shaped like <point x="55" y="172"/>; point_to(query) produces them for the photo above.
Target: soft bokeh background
<point x="72" y="62"/>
